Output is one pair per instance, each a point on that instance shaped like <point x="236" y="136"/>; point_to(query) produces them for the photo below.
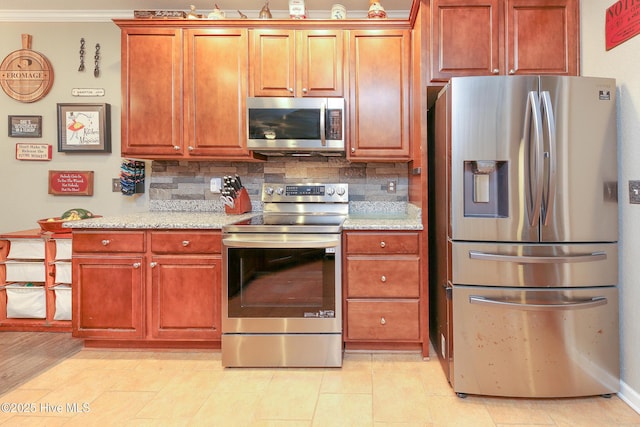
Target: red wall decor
<point x="622" y="22"/>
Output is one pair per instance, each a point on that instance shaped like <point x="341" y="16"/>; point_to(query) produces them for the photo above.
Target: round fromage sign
<point x="26" y="75"/>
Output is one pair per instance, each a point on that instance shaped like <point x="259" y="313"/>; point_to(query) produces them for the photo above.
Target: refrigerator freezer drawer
<point x="535" y="265"/>
<point x="535" y="342"/>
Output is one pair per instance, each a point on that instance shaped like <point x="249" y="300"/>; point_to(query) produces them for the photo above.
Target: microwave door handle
<point x="323" y="136"/>
<point x="551" y="155"/>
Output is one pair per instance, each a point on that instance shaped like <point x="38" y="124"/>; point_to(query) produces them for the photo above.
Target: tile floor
<point x="143" y="388"/>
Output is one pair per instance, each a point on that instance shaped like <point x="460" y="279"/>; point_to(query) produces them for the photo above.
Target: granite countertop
<point x="362" y="216"/>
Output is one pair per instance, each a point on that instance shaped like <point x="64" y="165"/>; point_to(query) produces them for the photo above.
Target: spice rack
<point x="35" y="281"/>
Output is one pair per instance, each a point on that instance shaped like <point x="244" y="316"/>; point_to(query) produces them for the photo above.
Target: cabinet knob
<point x="105" y="242"/>
<point x="383" y="321"/>
<point x="176" y="148"/>
<point x="382" y="244"/>
<point x="153" y="264"/>
<point x="512" y="71"/>
<point x="496" y="71"/>
<point x="290" y="90"/>
<point x="190" y="148"/>
<point x="185" y="243"/>
<point x="383" y="279"/>
<point x="136" y="265"/>
<point x="304" y="90"/>
<point x="353" y="149"/>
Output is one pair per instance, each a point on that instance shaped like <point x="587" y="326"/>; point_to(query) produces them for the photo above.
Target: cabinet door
<point x="542" y="37"/>
<point x="215" y="83"/>
<point x="379" y="95"/>
<point x="320" y="67"/>
<point x="272" y="62"/>
<point x="465" y="38"/>
<point x="185" y="298"/>
<point x="152" y="93"/>
<point x="107" y="298"/>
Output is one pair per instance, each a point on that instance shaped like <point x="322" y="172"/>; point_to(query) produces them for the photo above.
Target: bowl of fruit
<point x="54" y="224"/>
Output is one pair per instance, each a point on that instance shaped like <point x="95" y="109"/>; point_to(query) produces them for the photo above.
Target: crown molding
<point x="109" y="15"/>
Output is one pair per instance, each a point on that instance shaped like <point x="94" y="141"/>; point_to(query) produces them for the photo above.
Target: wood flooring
<point x="25" y="355"/>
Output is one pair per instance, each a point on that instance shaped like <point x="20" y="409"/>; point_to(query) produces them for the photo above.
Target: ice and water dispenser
<point x="486" y="192"/>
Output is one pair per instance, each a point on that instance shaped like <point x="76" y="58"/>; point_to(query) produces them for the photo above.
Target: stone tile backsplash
<point x="183" y="185"/>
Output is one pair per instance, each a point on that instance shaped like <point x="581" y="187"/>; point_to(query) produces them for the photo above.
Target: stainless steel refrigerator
<point x="524" y="261"/>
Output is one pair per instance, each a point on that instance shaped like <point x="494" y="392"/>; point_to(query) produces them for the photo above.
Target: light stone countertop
<point x="366" y="217"/>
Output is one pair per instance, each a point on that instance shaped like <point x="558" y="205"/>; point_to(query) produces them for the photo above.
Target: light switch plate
<point x="116" y="187"/>
<point x="634" y="192"/>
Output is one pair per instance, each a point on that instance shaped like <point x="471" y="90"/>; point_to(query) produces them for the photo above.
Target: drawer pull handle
<point x="105" y="242"/>
<point x="382" y="244"/>
<point x="185" y="243"/>
<point x="383" y="321"/>
<point x="136" y="265"/>
<point x="153" y="264"/>
<point x="383" y="279"/>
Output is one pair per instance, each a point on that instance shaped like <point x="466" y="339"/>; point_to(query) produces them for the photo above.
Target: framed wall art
<point x="84" y="128"/>
<point x="25" y="126"/>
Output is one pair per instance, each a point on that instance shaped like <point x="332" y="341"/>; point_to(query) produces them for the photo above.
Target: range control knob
<point x="341" y="191"/>
<point x="330" y="191"/>
<point x="280" y="191"/>
<point x="269" y="191"/>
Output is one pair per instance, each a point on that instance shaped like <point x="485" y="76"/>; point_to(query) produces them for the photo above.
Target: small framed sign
<point x="71" y="183"/>
<point x="84" y="128"/>
<point x="25" y="126"/>
<point x="33" y="151"/>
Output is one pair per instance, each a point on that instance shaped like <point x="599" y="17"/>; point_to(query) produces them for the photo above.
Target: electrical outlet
<point x="216" y="185"/>
<point x="634" y="192"/>
<point x="116" y="187"/>
<point x="391" y="186"/>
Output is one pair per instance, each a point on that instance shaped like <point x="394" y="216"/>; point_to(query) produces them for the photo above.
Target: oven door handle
<point x="263" y="241"/>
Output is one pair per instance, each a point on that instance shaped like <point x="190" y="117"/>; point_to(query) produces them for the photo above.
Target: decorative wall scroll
<point x="71" y="183"/>
<point x="25" y="126"/>
<point x="84" y="128"/>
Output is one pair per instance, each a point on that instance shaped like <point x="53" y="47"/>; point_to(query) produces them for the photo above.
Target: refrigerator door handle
<point x="581" y="304"/>
<point x="534" y="114"/>
<point x="549" y="198"/>
<point x="523" y="259"/>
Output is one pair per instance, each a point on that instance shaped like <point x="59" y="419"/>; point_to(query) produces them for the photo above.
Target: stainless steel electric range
<point x="281" y="291"/>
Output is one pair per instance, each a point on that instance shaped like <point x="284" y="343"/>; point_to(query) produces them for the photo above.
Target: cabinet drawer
<point x="178" y="242"/>
<point x="383" y="320"/>
<point x="382" y="243"/>
<point x="394" y="278"/>
<point x="121" y="241"/>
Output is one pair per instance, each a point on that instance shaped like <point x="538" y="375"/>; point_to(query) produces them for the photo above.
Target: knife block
<point x="242" y="203"/>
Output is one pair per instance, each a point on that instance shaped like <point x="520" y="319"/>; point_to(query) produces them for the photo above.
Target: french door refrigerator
<point x="525" y="262"/>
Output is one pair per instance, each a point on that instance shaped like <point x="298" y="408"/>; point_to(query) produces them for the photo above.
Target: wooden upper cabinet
<point x="379" y="82"/>
<point x="296" y="63"/>
<point x="485" y="37"/>
<point x="215" y="89"/>
<point x="151" y="91"/>
<point x="465" y="38"/>
<point x="542" y="37"/>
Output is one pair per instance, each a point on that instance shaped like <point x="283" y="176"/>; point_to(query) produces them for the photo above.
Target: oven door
<point x="281" y="283"/>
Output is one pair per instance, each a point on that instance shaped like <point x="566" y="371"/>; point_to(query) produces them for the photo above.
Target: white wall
<point x="622" y="63"/>
<point x="23" y="184"/>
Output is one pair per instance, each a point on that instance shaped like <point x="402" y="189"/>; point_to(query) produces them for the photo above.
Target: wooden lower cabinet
<point x="185" y="298"/>
<point x="108" y="297"/>
<point x="157" y="288"/>
<point x="383" y="291"/>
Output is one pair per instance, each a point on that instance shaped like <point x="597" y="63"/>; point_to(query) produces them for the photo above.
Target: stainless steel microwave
<point x="296" y="126"/>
